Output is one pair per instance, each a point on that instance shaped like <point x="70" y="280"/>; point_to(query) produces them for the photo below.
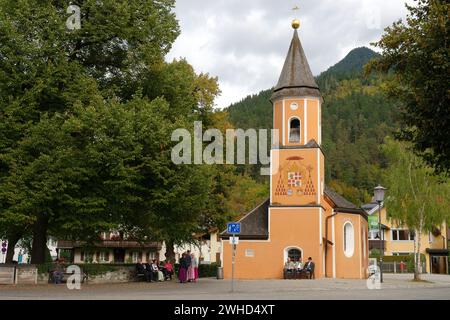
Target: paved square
<point x="395" y="287"/>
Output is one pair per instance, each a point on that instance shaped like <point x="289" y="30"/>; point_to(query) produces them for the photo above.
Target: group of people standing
<point x="188" y="271"/>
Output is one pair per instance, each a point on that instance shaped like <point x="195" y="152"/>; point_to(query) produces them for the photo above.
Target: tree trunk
<point x="170" y="252"/>
<point x="12" y="241"/>
<point x="416" y="271"/>
<point x="419" y="236"/>
<point x="39" y="246"/>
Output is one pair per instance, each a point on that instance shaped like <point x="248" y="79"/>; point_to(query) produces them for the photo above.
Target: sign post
<point x="4" y="246"/>
<point x="233" y="229"/>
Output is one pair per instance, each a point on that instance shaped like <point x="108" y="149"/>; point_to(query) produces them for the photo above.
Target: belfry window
<point x="294" y="130"/>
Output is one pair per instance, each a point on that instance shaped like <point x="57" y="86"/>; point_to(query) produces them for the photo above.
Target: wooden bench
<point x="137" y="276"/>
<point x="297" y="275"/>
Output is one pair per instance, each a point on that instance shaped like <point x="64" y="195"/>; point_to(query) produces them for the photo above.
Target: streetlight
<point x="379" y="197"/>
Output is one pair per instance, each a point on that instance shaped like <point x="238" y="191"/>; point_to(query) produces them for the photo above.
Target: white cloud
<point x="244" y="43"/>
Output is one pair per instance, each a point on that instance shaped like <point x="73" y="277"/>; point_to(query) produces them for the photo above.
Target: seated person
<point x="154" y="270"/>
<point x="299" y="265"/>
<point x="168" y="267"/>
<point x="289" y="265"/>
<point x="148" y="272"/>
<point x="141" y="269"/>
<point x="57" y="273"/>
<point x="162" y="269"/>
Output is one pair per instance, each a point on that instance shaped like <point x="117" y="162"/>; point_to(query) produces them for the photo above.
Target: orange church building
<point x="303" y="217"/>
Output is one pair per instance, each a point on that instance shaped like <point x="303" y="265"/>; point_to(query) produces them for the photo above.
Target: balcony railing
<point x="376" y="244"/>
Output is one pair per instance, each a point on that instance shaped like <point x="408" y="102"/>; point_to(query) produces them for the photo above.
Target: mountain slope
<point x="353" y="63"/>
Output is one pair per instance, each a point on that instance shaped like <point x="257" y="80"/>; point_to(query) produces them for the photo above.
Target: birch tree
<point x="417" y="196"/>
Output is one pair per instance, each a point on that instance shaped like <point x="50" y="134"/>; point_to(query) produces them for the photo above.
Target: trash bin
<point x="219" y="273"/>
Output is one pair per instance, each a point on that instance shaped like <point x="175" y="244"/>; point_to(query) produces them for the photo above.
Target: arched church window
<point x="349" y="240"/>
<point x="294" y="254"/>
<point x="294" y="130"/>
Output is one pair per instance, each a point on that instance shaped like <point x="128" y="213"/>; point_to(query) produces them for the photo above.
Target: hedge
<point x="204" y="270"/>
<point x="93" y="269"/>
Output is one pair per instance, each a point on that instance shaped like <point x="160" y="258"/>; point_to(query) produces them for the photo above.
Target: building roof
<point x="312" y="144"/>
<point x="255" y="224"/>
<point x="338" y="200"/>
<point x="296" y="78"/>
<point x="372" y="207"/>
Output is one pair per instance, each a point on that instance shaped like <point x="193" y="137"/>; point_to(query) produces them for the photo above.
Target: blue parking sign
<point x="234" y="227"/>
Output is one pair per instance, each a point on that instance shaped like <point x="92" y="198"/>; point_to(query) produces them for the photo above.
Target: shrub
<point x="89" y="269"/>
<point x="204" y="270"/>
<point x="207" y="270"/>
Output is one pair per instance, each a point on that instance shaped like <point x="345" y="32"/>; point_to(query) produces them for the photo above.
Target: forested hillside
<point x="356" y="118"/>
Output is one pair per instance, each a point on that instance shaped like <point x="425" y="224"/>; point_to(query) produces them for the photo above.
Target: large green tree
<point x="416" y="196"/>
<point x="85" y="123"/>
<point x="417" y="54"/>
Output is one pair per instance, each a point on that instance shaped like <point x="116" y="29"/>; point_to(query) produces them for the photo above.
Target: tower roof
<point x="296" y="79"/>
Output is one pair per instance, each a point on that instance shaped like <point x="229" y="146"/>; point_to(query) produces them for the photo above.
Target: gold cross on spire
<point x="295" y="22"/>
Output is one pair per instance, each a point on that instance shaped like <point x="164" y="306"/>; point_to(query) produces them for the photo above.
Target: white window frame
<point x="286" y="252"/>
<point x="135" y="256"/>
<point x="103" y="256"/>
<point x="401" y="229"/>
<point x="348" y="252"/>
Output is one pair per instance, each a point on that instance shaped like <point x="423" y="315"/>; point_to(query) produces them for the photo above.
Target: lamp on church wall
<point x="379" y="198"/>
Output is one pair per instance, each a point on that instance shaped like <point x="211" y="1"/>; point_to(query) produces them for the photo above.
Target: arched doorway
<point x="295" y="253"/>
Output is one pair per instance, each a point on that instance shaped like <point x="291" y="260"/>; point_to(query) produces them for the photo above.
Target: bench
<point x="296" y="274"/>
<point x="138" y="276"/>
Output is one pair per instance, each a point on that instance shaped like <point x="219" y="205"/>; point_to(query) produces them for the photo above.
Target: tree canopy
<point x="85" y="123"/>
<point x="416" y="52"/>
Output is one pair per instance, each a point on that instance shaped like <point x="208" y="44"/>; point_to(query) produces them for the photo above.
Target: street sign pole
<point x="233" y="228"/>
<point x="4" y="246"/>
<point x="232" y="262"/>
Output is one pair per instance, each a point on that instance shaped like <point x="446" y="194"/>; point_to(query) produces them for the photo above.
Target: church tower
<point x="302" y="218"/>
<point x="297" y="160"/>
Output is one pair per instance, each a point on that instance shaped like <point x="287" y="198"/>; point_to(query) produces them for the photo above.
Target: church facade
<point x="303" y="217"/>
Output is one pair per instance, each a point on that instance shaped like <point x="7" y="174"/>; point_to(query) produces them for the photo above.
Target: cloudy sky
<point x="245" y="42"/>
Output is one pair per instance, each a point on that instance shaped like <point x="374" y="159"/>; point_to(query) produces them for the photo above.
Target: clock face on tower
<point x="294" y="106"/>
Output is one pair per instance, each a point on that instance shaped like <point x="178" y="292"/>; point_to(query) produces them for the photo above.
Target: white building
<point x="207" y="251"/>
<point x="21" y="255"/>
